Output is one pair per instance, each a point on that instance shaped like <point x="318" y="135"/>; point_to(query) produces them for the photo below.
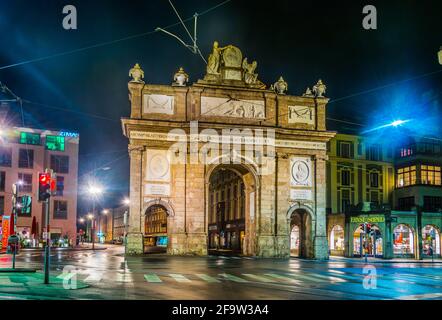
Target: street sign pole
<point x="47" y="246"/>
<point x="14" y="218"/>
<point x="366" y="242"/>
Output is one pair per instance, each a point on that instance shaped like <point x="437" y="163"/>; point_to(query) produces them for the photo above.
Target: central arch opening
<point x="155" y="229"/>
<point x="231" y="211"/>
<point x="300" y="234"/>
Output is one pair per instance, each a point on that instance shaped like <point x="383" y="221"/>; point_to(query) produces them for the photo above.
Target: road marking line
<point x="306" y="278"/>
<point x="152" y="278"/>
<point x="337" y="279"/>
<point x="93" y="277"/>
<point x="259" y="278"/>
<point x="232" y="277"/>
<point x="207" y="278"/>
<point x="179" y="277"/>
<point x="279" y="277"/>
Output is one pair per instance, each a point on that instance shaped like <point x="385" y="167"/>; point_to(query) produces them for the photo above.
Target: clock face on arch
<point x="230" y="107"/>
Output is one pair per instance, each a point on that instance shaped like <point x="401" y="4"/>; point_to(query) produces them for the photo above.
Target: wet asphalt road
<point x="112" y="276"/>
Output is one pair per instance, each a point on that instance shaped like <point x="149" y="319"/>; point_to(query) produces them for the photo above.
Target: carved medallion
<point x="301" y="172"/>
<point x="158" y="165"/>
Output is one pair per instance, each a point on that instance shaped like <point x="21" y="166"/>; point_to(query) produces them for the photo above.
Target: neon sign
<point x="68" y="134"/>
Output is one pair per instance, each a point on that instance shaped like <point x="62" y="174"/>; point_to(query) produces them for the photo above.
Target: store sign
<point x="5" y="231"/>
<point x="370" y="219"/>
<point x="68" y="134"/>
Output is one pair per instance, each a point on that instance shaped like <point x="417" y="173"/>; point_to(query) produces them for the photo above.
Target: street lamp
<point x="126" y="201"/>
<point x="94" y="191"/>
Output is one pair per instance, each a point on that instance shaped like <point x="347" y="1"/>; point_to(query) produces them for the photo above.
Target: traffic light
<point x="44" y="186"/>
<point x="368" y="226"/>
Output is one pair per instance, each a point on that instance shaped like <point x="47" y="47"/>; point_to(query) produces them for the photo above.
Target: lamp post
<point x="126" y="202"/>
<point x="94" y="191"/>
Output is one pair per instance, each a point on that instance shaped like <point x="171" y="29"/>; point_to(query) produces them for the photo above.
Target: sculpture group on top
<point x="226" y="64"/>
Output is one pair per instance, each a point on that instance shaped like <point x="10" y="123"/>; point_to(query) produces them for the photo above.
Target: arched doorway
<point x="371" y="244"/>
<point x="300" y="226"/>
<point x="337" y="240"/>
<point x="231" y="210"/>
<point x="155" y="229"/>
<point x="431" y="241"/>
<point x="403" y="240"/>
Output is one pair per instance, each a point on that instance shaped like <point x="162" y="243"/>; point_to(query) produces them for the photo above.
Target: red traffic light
<point x="44" y="178"/>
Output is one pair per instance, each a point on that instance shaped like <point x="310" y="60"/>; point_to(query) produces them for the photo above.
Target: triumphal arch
<point x="226" y="164"/>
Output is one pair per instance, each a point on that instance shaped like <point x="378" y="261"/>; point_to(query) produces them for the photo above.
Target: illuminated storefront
<point x="337" y="240"/>
<point x="431" y="241"/>
<point x="370" y="243"/>
<point x="403" y="241"/>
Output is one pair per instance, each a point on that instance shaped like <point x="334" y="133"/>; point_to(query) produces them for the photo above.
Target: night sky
<point x="86" y="91"/>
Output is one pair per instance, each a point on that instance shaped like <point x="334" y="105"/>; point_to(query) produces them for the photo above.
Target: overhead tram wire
<point x="106" y="43"/>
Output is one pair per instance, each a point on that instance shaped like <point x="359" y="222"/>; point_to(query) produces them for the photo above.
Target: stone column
<point x="134" y="241"/>
<point x="266" y="222"/>
<point x="320" y="236"/>
<point x="282" y="238"/>
<point x="250" y="215"/>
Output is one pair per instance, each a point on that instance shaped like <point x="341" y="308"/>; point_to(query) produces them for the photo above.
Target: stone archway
<point x="300" y="218"/>
<point x="231" y="209"/>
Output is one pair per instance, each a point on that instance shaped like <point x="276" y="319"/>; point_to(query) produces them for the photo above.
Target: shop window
<point x="60" y="164"/>
<point x="430" y="240"/>
<point x="2" y="181"/>
<point x="406" y="176"/>
<point x="25" y="206"/>
<point x="370" y="244"/>
<point x="430" y="175"/>
<point x="60" y="209"/>
<point x="30" y="138"/>
<point x="337" y="238"/>
<point x="25" y="184"/>
<point x="5" y="157"/>
<point x="403" y="240"/>
<point x="406" y="152"/>
<point x="55" y="143"/>
<point x="26" y="158"/>
<point x="432" y="204"/>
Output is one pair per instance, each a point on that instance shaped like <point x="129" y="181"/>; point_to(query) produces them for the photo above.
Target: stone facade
<point x="173" y="155"/>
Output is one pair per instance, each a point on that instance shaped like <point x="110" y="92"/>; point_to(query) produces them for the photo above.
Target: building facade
<point x="226" y="164"/>
<point x="394" y="188"/>
<point x="112" y="225"/>
<point x="24" y="153"/>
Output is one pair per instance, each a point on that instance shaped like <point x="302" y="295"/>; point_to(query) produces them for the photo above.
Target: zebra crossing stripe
<point x="207" y="278"/>
<point x="152" y="278"/>
<point x="179" y="277"/>
<point x="279" y="277"/>
<point x="94" y="277"/>
<point x="332" y="278"/>
<point x="232" y="277"/>
<point x="258" y="278"/>
<point x="306" y="278"/>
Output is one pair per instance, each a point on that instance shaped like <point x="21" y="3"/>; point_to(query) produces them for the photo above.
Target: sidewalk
<point x="379" y="260"/>
<point x="83" y="247"/>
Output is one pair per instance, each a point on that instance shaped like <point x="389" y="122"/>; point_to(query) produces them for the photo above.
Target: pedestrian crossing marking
<point x="207" y="278"/>
<point x="232" y="277"/>
<point x="279" y="277"/>
<point x="152" y="278"/>
<point x="306" y="278"/>
<point x="94" y="277"/>
<point x="421" y="296"/>
<point x="255" y="277"/>
<point x="179" y="277"/>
